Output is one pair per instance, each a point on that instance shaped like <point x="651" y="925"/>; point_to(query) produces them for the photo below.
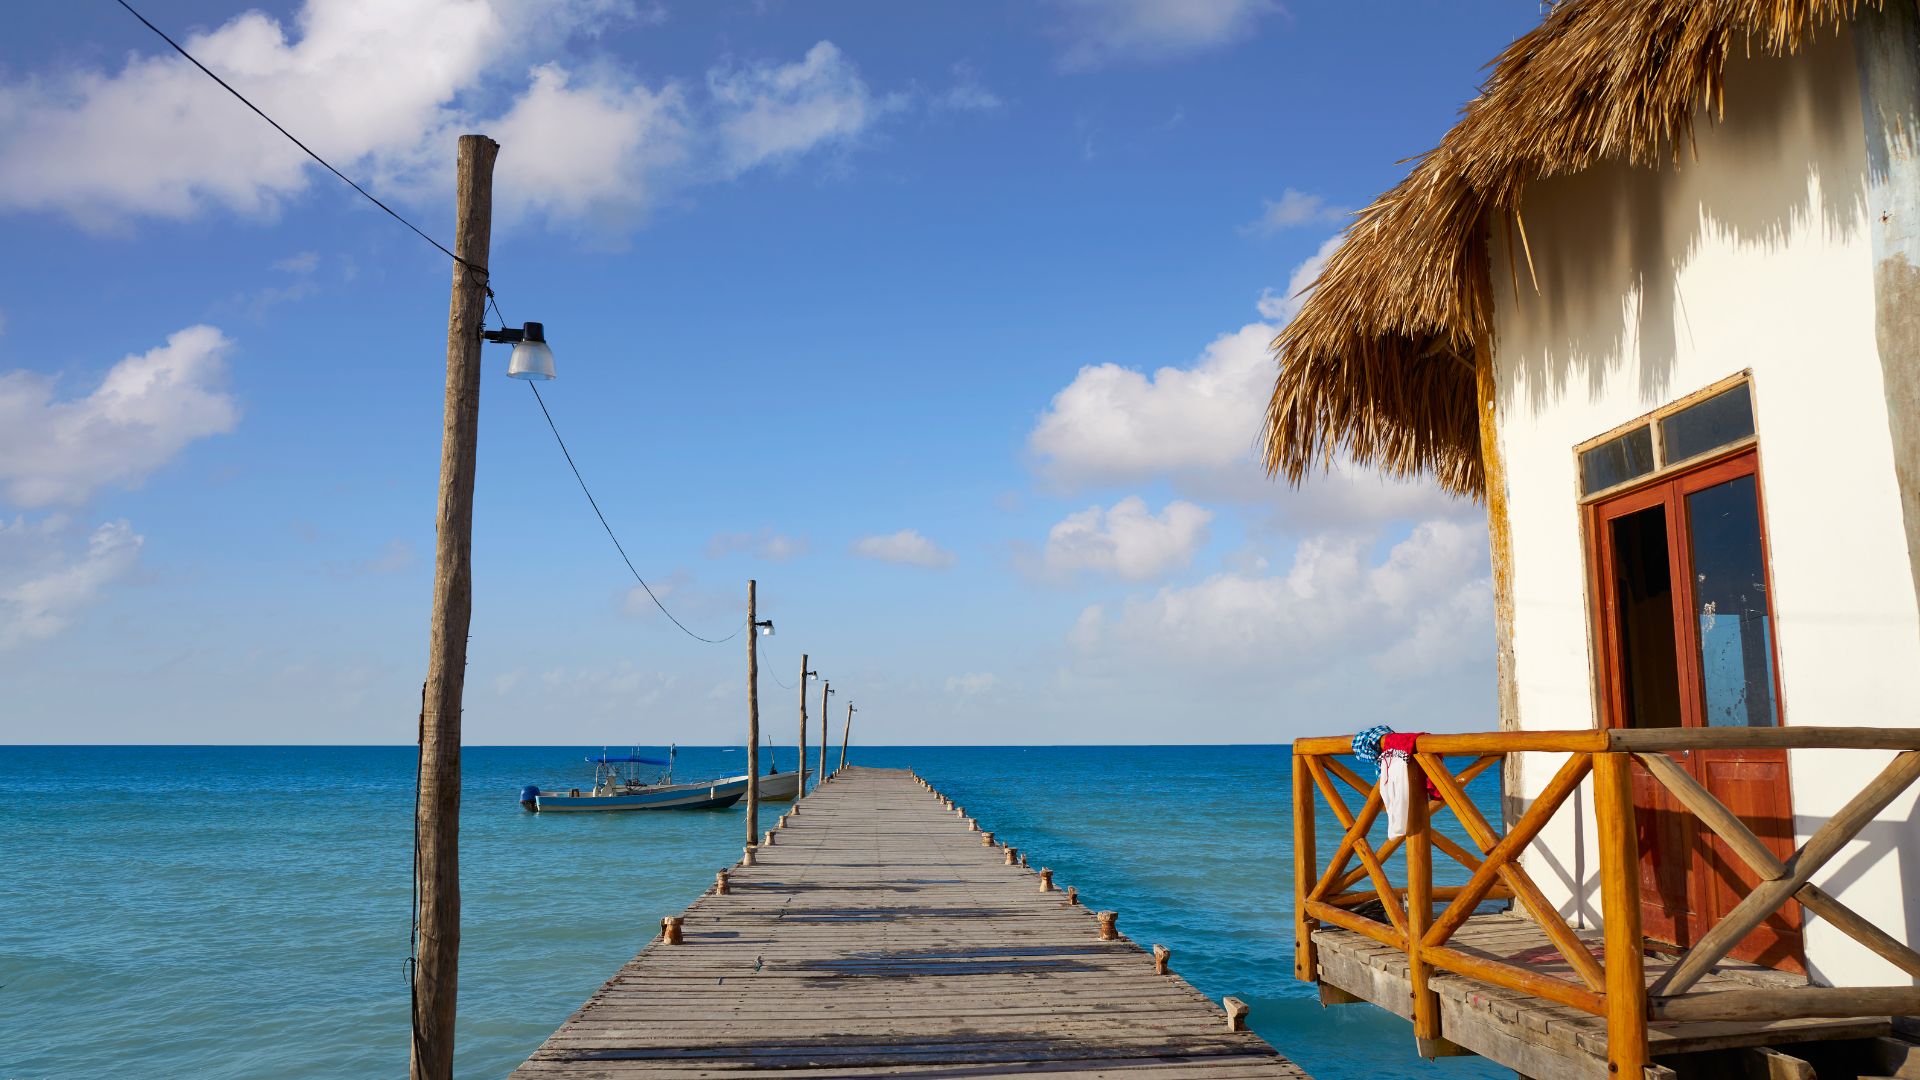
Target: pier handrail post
<point x="1419" y="848"/>
<point x="1620" y="914"/>
<point x="753" y="719"/>
<point x="437" y="814"/>
<point x="1305" y="871"/>
<point x="801" y="791"/>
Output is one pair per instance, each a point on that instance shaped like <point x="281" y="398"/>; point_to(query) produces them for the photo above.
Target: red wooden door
<point x="1686" y="640"/>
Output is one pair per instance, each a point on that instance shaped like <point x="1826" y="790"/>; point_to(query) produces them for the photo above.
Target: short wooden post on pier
<point x="1012" y="856"/>
<point x="1046" y="880"/>
<point x="1161" y="956"/>
<point x="746" y="856"/>
<point x="986" y="839"/>
<point x="1106" y="919"/>
<point x="1073" y="894"/>
<point x="1236" y="1013"/>
<point x="670" y="929"/>
<point x="720" y="883"/>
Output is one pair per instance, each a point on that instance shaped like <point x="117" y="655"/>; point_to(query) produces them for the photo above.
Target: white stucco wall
<point x="1757" y="255"/>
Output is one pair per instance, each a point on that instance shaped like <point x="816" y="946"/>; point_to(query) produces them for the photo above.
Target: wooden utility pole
<point x="436" y="872"/>
<point x="753" y="720"/>
<point x="825" y="689"/>
<point x="845" y="732"/>
<point x="801" y="792"/>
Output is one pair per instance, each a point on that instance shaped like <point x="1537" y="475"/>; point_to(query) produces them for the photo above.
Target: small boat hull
<point x="777" y="787"/>
<point x="717" y="795"/>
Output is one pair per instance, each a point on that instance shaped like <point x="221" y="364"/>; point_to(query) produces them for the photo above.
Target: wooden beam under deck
<point x="1537" y="1037"/>
<point x="878" y="936"/>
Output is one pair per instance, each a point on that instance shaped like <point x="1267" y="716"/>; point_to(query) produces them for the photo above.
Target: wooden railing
<point x="1616" y="989"/>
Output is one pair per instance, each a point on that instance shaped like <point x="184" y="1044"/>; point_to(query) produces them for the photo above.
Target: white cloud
<point x="382" y="91"/>
<point x="1100" y="32"/>
<point x="146" y="409"/>
<point x="44" y="584"/>
<point x="906" y="547"/>
<point x="1116" y="424"/>
<point x="967" y="94"/>
<point x="763" y="543"/>
<point x="776" y="112"/>
<point x="1426" y="606"/>
<point x="972" y="684"/>
<point x="306" y="262"/>
<point x="1198" y="426"/>
<point x="1294" y="209"/>
<point x="1127" y="540"/>
<point x="587" y="149"/>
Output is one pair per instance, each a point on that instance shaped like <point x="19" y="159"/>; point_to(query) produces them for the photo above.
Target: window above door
<point x="1713" y="421"/>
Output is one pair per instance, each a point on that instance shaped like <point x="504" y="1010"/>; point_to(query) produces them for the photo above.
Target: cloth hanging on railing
<point x="1402" y="743"/>
<point x="1366" y="745"/>
<point x="1393" y="792"/>
<point x="1388" y="751"/>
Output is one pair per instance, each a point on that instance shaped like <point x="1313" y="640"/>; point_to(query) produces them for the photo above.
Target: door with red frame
<point x="1685" y="632"/>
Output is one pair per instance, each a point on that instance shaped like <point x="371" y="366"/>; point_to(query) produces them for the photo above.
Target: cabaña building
<point x="1656" y="301"/>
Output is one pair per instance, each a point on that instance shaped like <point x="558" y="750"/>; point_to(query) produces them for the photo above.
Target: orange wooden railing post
<point x="1419" y="848"/>
<point x="1305" y="871"/>
<point x="1620" y="914"/>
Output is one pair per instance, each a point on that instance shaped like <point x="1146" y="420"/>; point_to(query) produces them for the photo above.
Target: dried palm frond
<point x="1378" y="364"/>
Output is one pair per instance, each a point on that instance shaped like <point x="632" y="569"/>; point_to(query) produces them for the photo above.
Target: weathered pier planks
<point x="879" y="935"/>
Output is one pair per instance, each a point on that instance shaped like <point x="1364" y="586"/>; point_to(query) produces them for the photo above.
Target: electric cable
<point x="481" y="270"/>
<point x="591" y="501"/>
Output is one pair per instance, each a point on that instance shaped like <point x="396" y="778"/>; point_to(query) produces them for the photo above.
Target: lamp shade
<point x="532" y="359"/>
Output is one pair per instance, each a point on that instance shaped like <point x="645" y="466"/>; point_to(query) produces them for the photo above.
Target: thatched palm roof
<point x="1378" y="364"/>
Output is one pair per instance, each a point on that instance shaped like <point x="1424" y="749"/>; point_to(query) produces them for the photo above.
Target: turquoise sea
<point x="243" y="911"/>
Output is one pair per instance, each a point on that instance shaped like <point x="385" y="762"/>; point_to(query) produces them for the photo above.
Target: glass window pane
<point x="1617" y="461"/>
<point x="1730" y="606"/>
<point x="1713" y="423"/>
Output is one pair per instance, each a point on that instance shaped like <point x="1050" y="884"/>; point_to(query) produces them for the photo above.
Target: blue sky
<point x="946" y="322"/>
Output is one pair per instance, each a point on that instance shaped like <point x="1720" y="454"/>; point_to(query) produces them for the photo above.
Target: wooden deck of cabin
<point x="1536" y="1037"/>
<point x="879" y="935"/>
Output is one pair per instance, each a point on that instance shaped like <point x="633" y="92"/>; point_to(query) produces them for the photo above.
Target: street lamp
<point x="532" y="359"/>
<point x="766" y="627"/>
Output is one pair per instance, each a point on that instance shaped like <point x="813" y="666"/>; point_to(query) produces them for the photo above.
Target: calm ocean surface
<point x="243" y="912"/>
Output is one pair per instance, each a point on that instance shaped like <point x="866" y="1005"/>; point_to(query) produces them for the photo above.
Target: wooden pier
<point x="882" y="933"/>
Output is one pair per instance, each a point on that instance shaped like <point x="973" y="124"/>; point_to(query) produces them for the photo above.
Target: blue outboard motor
<point x="527" y="796"/>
